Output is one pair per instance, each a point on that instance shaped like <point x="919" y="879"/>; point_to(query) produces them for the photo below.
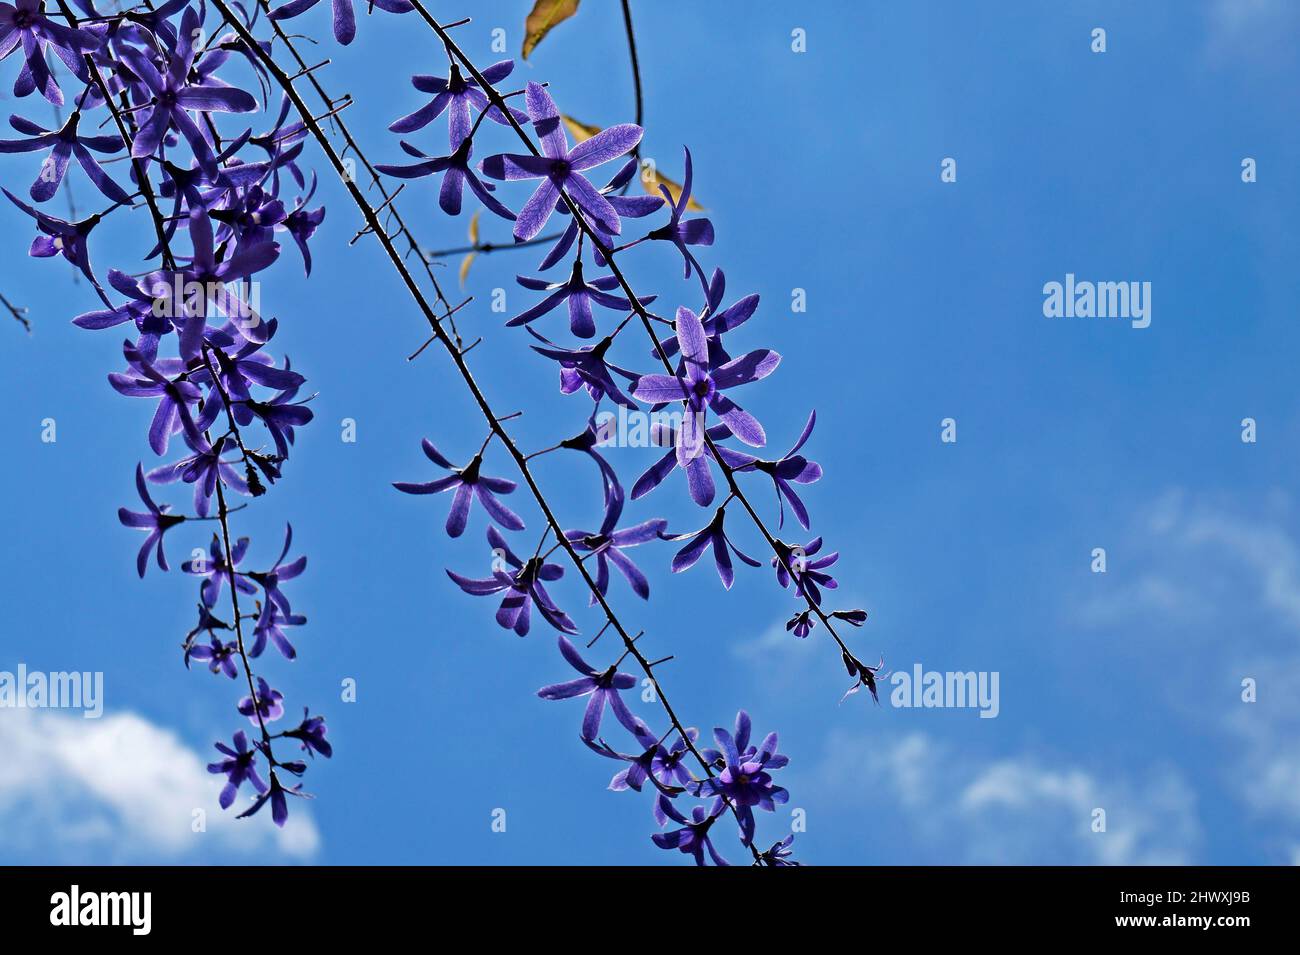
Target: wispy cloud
<point x="120" y="789"/>
<point x="1250" y="29"/>
<point x="1218" y="602"/>
<point x="1014" y="810"/>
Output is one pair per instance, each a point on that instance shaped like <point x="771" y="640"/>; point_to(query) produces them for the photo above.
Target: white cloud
<point x="1247" y="30"/>
<point x="1217" y="600"/>
<point x="1017" y="810"/>
<point x="121" y="789"/>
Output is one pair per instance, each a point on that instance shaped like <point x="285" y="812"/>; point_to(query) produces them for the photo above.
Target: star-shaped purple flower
<point x="239" y="765"/>
<point x="745" y="778"/>
<point x="458" y="96"/>
<point x="693" y="836"/>
<point x="469" y="484"/>
<point x="155" y="520"/>
<point x="63" y="144"/>
<point x="700" y="388"/>
<point x="579" y="294"/>
<point x="560" y="168"/>
<point x="522" y="588"/>
<point x="714" y="534"/>
<point x="603" y="687"/>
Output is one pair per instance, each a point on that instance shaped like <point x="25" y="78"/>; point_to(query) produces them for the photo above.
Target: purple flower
<point x="712" y="533"/>
<point x="172" y="95"/>
<point x="586" y="442"/>
<point x="268" y="627"/>
<point x="603" y="687"/>
<point x="560" y="168"/>
<point x="668" y="765"/>
<point x="249" y="214"/>
<point x="458" y="173"/>
<point x="522" y="589"/>
<point x="311" y="733"/>
<point x="457" y="96"/>
<point x="716" y="320"/>
<point x="280" y="571"/>
<point x="345" y="19"/>
<point x="469" y="484"/>
<point x="779" y="855"/>
<point x="25" y="23"/>
<point x="579" y="294"/>
<point x="866" y="675"/>
<point x="693" y="836"/>
<point x="800" y="564"/>
<point x="267" y="708"/>
<point x="276" y="794"/>
<point x="683" y="233"/>
<point x="216" y="573"/>
<point x="246" y="366"/>
<point x="627" y="207"/>
<point x="641" y="767"/>
<point x="801" y="623"/>
<point x="586" y="366"/>
<point x="791" y="468"/>
<point x="155" y="520"/>
<point x="701" y="387"/>
<point x="239" y="765"/>
<point x="138" y="309"/>
<point x="219" y="656"/>
<point x="607" y="545"/>
<point x="280" y="415"/>
<point x="301" y="223"/>
<point x="174" y="399"/>
<point x="68" y="239"/>
<point x="214" y="276"/>
<point x="203" y="469"/>
<point x="744" y="778"/>
<point x="699" y="478"/>
<point x="283" y="144"/>
<point x="64" y="144"/>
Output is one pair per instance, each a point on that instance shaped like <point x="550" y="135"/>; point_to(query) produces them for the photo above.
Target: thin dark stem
<point x="18" y="312"/>
<point x="223" y="514"/>
<point x="487" y="248"/>
<point x="457" y="359"/>
<point x="351" y="144"/>
<point x="636" y="68"/>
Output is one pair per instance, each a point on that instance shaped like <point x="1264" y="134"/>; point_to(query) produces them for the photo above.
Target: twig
<point x="18" y="312"/>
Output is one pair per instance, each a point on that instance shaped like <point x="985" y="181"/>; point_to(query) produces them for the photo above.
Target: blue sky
<point x="820" y="171"/>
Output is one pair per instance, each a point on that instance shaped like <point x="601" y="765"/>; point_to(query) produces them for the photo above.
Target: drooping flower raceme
<point x="149" y="88"/>
<point x="201" y="355"/>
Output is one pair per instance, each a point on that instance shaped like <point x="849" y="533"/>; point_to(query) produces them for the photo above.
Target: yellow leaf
<point x="545" y="15"/>
<point x="464" y="267"/>
<point x="473" y="227"/>
<point x="651" y="179"/>
<point x="579" y="131"/>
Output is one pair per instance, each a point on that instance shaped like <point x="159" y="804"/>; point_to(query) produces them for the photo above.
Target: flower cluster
<point x="699" y="379"/>
<point x="224" y="411"/>
<point x="199" y="353"/>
